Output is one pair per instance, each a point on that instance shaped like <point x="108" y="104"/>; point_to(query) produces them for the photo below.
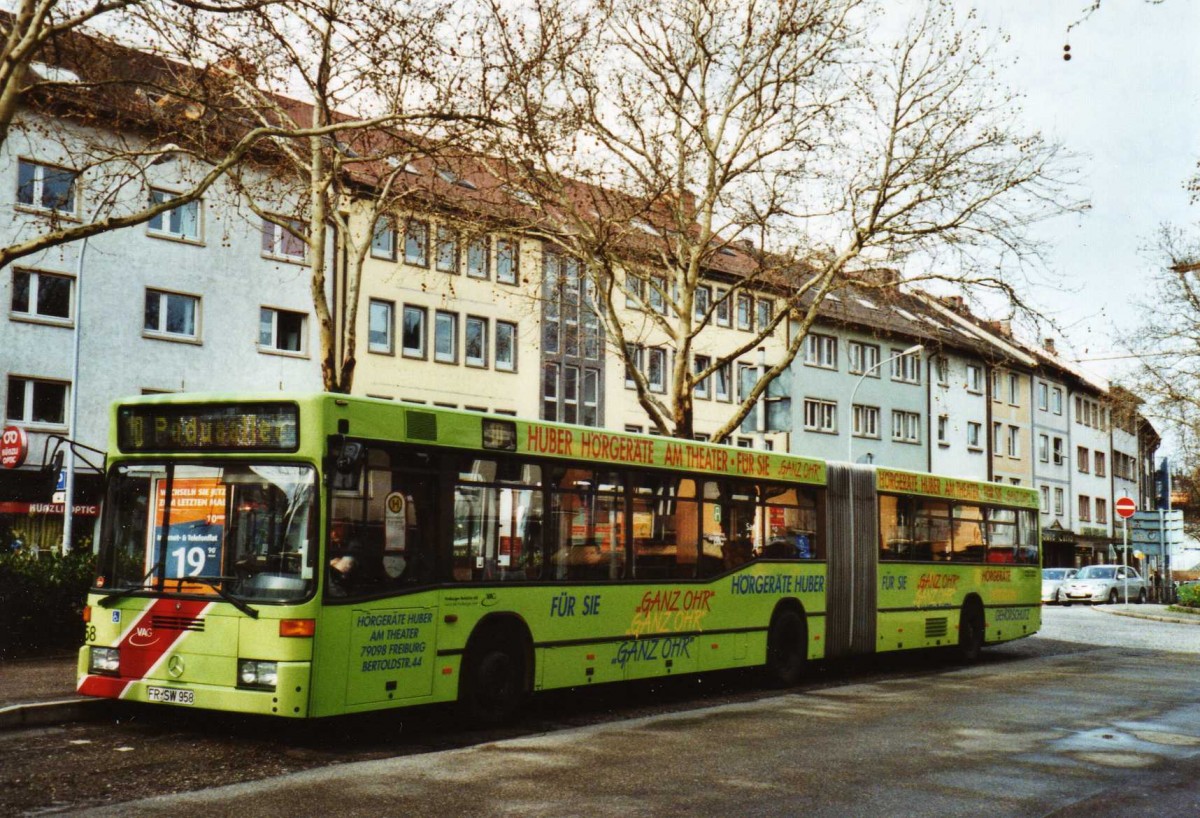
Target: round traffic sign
<point x="14" y="446"/>
<point x="1125" y="507"/>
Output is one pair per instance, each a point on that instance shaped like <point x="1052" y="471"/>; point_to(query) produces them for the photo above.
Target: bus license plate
<point x="170" y="695"/>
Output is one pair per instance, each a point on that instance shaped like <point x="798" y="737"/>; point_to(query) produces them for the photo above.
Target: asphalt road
<point x="1074" y="721"/>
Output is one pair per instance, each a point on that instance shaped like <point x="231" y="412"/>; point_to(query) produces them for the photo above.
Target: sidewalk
<point x="1158" y="613"/>
<point x="41" y="691"/>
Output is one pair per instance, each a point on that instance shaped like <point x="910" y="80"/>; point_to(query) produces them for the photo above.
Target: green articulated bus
<point x="315" y="555"/>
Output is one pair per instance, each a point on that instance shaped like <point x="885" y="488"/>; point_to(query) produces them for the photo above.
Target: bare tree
<point x="776" y="145"/>
<point x="364" y="90"/>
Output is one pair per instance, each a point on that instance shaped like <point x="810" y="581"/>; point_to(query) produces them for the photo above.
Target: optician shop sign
<point x="14" y="446"/>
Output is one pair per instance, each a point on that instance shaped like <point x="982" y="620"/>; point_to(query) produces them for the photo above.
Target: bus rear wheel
<point x="492" y="687"/>
<point x="787" y="649"/>
<point x="970" y="632"/>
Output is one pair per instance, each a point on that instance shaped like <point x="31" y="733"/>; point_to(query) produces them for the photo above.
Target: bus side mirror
<point x="347" y="465"/>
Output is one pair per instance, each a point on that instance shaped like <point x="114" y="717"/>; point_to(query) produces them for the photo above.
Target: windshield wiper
<point x="107" y="601"/>
<point x="215" y="584"/>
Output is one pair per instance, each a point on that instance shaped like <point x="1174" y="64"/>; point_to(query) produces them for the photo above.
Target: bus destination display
<point x="268" y="427"/>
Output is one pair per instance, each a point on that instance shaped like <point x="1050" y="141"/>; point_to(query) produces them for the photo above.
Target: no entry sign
<point x="1125" y="507"/>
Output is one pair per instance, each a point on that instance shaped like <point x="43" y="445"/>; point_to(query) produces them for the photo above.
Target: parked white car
<point x="1052" y="582"/>
<point x="1104" y="583"/>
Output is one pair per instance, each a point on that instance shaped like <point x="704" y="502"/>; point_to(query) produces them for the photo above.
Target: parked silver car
<point x="1052" y="582"/>
<point x="1104" y="583"/>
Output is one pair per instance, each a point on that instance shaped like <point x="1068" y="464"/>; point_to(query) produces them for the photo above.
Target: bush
<point x="41" y="601"/>
<point x="1189" y="596"/>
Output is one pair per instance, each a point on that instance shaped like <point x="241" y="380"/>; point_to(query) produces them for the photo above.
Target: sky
<point x="1128" y="103"/>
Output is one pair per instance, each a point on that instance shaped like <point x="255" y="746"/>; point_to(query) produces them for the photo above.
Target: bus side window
<point x="497" y="521"/>
<point x="791" y="524"/>
<point x="665" y="526"/>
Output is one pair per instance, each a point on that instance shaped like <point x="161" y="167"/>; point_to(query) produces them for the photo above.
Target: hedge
<point x="41" y="601"/>
<point x="1189" y="596"/>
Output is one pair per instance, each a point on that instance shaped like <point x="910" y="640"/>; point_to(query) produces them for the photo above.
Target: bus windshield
<point x="249" y="529"/>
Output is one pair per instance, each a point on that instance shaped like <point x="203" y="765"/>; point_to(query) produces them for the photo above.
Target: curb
<point x="40" y="714"/>
<point x="1178" y="620"/>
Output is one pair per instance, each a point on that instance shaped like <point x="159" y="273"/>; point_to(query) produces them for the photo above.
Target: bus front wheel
<point x="492" y="686"/>
<point x="787" y="648"/>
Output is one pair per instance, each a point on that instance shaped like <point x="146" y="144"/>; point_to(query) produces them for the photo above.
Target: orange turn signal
<point x="297" y="627"/>
<point x="87" y="613"/>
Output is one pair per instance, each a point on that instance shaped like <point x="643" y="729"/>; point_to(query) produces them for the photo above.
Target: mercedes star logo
<point x="175" y="666"/>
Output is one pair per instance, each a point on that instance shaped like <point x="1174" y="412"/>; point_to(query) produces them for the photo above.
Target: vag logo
<point x="143" y="636"/>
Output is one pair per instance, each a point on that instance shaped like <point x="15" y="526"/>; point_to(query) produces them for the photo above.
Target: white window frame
<point x="659" y="354"/>
<point x="29" y="388"/>
<point x="1014" y="441"/>
<point x="1043" y="396"/>
<point x="272" y="344"/>
<point x="445" y="318"/>
<point x="975" y="379"/>
<point x="1014" y="389"/>
<point x="721" y="310"/>
<point x="379" y="308"/>
<point x="509" y="363"/>
<point x="906" y="368"/>
<point x="703" y="389"/>
<point x="820" y="351"/>
<point x="445" y="237"/>
<point x="864" y="421"/>
<point x="383" y="239"/>
<point x="974" y="434"/>
<point x="701" y="301"/>
<point x="164" y="298"/>
<point x="906" y="426"/>
<point x="820" y="416"/>
<point x="35" y="289"/>
<point x="745" y="318"/>
<point x="37" y="188"/>
<point x="481" y="324"/>
<point x="422" y="313"/>
<point x="416" y="234"/>
<point x="723" y="376"/>
<point x="508" y="261"/>
<point x="1044" y="448"/>
<point x="479" y="248"/>
<point x="174" y="216"/>
<point x="943" y="424"/>
<point x="277" y="241"/>
<point x="864" y="359"/>
<point x="1059" y="502"/>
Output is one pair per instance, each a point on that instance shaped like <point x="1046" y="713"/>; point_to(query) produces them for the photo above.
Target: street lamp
<point x="912" y="350"/>
<point x="162" y="156"/>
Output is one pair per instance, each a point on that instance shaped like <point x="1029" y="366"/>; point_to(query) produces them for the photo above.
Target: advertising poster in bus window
<point x="195" y="530"/>
<point x="395" y="531"/>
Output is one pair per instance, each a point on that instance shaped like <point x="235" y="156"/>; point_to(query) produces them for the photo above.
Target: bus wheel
<point x="970" y="631"/>
<point x="787" y="648"/>
<point x="492" y="686"/>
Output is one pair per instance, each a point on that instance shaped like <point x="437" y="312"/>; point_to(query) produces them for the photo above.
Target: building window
<point x="997" y="438"/>
<point x="1058" y="451"/>
<point x="445" y="337"/>
<point x="906" y="368"/>
<point x="820" y="350"/>
<point x="974" y="431"/>
<point x="1101" y="510"/>
<point x="171" y="314"/>
<point x="182" y="222"/>
<point x="507" y="261"/>
<point x="478" y="257"/>
<point x="281" y="330"/>
<point x="656" y="297"/>
<point x="1014" y="441"/>
<point x="1014" y="389"/>
<point x="1043" y="396"/>
<point x="699" y="364"/>
<point x="379" y="328"/>
<point x="820" y="416"/>
<point x="412" y="338"/>
<point x="1083" y="460"/>
<point x="974" y="379"/>
<point x="37" y="401"/>
<point x="45" y="187"/>
<point x="1058" y="502"/>
<point x="550" y="391"/>
<point x="996" y="386"/>
<point x="864" y="359"/>
<point x="284" y="242"/>
<point x="721" y="386"/>
<point x="590" y="411"/>
<point x="506" y="346"/>
<point x="1100" y="464"/>
<point x="635" y="359"/>
<point x="701" y="302"/>
<point x="656" y="370"/>
<point x="1085" y="508"/>
<point x="475" y="349"/>
<point x="943" y="422"/>
<point x="745" y="312"/>
<point x="383" y="240"/>
<point x="766" y="312"/>
<point x="941" y="365"/>
<point x="722" y="308"/>
<point x="1056" y="401"/>
<point x="446" y="255"/>
<point x="1044" y="491"/>
<point x="1044" y="448"/>
<point x="41" y="295"/>
<point x="865" y="421"/>
<point x="906" y="426"/>
<point x="416" y="243"/>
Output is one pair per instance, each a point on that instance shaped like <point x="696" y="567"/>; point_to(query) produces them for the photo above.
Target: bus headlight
<point x="260" y="675"/>
<point x="105" y="660"/>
